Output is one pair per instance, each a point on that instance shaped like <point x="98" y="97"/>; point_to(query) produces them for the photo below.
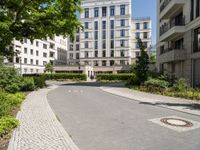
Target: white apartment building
<point x="140" y="28"/>
<point x="178" y="50"/>
<point x="33" y="56"/>
<point x="108" y="42"/>
<point x="106" y="37"/>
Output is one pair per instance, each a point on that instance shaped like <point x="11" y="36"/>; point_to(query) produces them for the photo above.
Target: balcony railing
<point x="167" y="26"/>
<point x="164" y="5"/>
<point x="163" y="51"/>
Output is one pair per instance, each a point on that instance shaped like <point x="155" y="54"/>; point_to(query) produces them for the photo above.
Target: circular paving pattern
<point x="176" y="122"/>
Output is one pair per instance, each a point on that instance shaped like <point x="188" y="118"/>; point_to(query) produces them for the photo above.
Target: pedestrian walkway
<point x="39" y="128"/>
<point x="183" y="105"/>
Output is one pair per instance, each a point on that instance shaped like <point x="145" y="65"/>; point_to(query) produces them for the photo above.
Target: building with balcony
<point x="32" y="56"/>
<point x="178" y="36"/>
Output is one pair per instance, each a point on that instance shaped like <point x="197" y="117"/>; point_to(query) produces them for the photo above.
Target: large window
<point x="137" y="26"/>
<point x="104" y="35"/>
<point x="96" y="12"/>
<point x="112" y="34"/>
<point x="86" y="25"/>
<point x="122" y="22"/>
<point x="96" y="44"/>
<point x="103" y="24"/>
<point x="96" y="25"/>
<point x="112" y="10"/>
<point x="196" y="47"/>
<point x="122" y="10"/>
<point x="86" y="35"/>
<point x="145" y="25"/>
<point x="86" y="44"/>
<point x="145" y="35"/>
<point x="86" y="12"/>
<point x="103" y="44"/>
<point x="112" y="24"/>
<point x="122" y="33"/>
<point x="96" y="35"/>
<point x="104" y="11"/>
<point x="112" y="44"/>
<point x="137" y="35"/>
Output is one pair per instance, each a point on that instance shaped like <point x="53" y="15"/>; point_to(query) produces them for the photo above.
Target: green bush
<point x="39" y="81"/>
<point x="154" y="85"/>
<point x="180" y="86"/>
<point x="115" y="77"/>
<point x="27" y="84"/>
<point x="65" y="76"/>
<point x="10" y="80"/>
<point x="9" y="101"/>
<point x="7" y="124"/>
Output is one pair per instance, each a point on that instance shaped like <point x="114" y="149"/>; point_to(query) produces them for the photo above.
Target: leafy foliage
<point x="114" y="77"/>
<point x="28" y="84"/>
<point x="180" y="86"/>
<point x="141" y="68"/>
<point x="36" y="19"/>
<point x="7" y="124"/>
<point x="48" y="68"/>
<point x="10" y="80"/>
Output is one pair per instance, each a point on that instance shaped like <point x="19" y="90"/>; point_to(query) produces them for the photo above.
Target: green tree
<point x="153" y="59"/>
<point x="141" y="68"/>
<point x="36" y="19"/>
<point x="49" y="68"/>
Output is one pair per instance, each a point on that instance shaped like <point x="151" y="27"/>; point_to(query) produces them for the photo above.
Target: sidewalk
<point x="39" y="129"/>
<point x="183" y="105"/>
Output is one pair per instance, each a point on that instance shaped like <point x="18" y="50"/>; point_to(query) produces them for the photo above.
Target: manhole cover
<point x="176" y="122"/>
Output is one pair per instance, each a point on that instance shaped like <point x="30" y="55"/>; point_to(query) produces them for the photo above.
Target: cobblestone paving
<point x="39" y="129"/>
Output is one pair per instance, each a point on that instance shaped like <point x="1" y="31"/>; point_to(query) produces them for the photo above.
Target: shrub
<point x="39" y="81"/>
<point x="154" y="85"/>
<point x="7" y="124"/>
<point x="28" y="84"/>
<point x="114" y="77"/>
<point x="65" y="76"/>
<point x="180" y="86"/>
<point x="9" y="101"/>
<point x="10" y="80"/>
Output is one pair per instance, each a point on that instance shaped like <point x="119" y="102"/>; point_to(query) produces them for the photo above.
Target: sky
<point x="146" y="8"/>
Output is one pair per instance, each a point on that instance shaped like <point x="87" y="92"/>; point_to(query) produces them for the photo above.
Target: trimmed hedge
<point x="65" y="76"/>
<point x="114" y="77"/>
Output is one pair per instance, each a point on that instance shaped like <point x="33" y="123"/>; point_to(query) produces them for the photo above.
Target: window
<point x="86" y="35"/>
<point x="45" y="55"/>
<point x="103" y="44"/>
<point x="112" y="53"/>
<point x="86" y="55"/>
<point x="145" y="35"/>
<point x="137" y="54"/>
<point x="86" y="25"/>
<point x="122" y="43"/>
<point x="197" y="8"/>
<point x="137" y="45"/>
<point x="112" y="62"/>
<point x="122" y="62"/>
<point x="112" y="10"/>
<point x="112" y="44"/>
<point x="196" y="46"/>
<point x="96" y="63"/>
<point x="51" y="54"/>
<point x="77" y="47"/>
<point x="86" y="44"/>
<point x="145" y="25"/>
<point x="96" y="54"/>
<point x="122" y="10"/>
<point x="179" y="44"/>
<point x="112" y="24"/>
<point x="31" y="51"/>
<point x="122" y="53"/>
<point x="71" y="56"/>
<point x="145" y="44"/>
<point x="104" y="11"/>
<point x="104" y="35"/>
<point x="77" y="55"/>
<point x="25" y="50"/>
<point x="122" y="33"/>
<point x="71" y="47"/>
<point x="52" y="46"/>
<point x="45" y="46"/>
<point x="37" y="53"/>
<point x="96" y="25"/>
<point x="137" y="26"/>
<point x="96" y="35"/>
<point x="37" y="62"/>
<point x="86" y="12"/>
<point x="31" y="61"/>
<point x="104" y="63"/>
<point x="192" y="10"/>
<point x="103" y="24"/>
<point x="77" y="38"/>
<point x="112" y="34"/>
<point x="96" y="12"/>
<point x="37" y="43"/>
<point x="96" y="44"/>
<point x="122" y="23"/>
<point x="137" y="34"/>
<point x="25" y="60"/>
<point x="104" y="54"/>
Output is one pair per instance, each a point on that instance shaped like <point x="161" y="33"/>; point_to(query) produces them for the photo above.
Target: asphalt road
<point x="97" y="120"/>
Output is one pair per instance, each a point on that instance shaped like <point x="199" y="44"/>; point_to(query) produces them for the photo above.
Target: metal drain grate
<point x="176" y="122"/>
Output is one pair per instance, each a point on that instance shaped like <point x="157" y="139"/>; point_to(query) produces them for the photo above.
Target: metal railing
<point x="164" y="5"/>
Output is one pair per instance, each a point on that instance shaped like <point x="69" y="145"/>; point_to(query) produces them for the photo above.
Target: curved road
<point x="97" y="120"/>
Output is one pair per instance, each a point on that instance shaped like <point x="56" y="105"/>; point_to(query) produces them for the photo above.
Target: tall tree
<point x="36" y="19"/>
<point x="141" y="68"/>
<point x="49" y="68"/>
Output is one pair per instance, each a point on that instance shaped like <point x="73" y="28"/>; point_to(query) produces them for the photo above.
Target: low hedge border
<point x="114" y="77"/>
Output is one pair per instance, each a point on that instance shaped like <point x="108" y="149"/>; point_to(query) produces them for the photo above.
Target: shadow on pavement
<point x="187" y="106"/>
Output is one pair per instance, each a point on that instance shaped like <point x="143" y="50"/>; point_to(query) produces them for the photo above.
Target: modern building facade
<point x="178" y="50"/>
<point x="33" y="56"/>
<point x="108" y="41"/>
